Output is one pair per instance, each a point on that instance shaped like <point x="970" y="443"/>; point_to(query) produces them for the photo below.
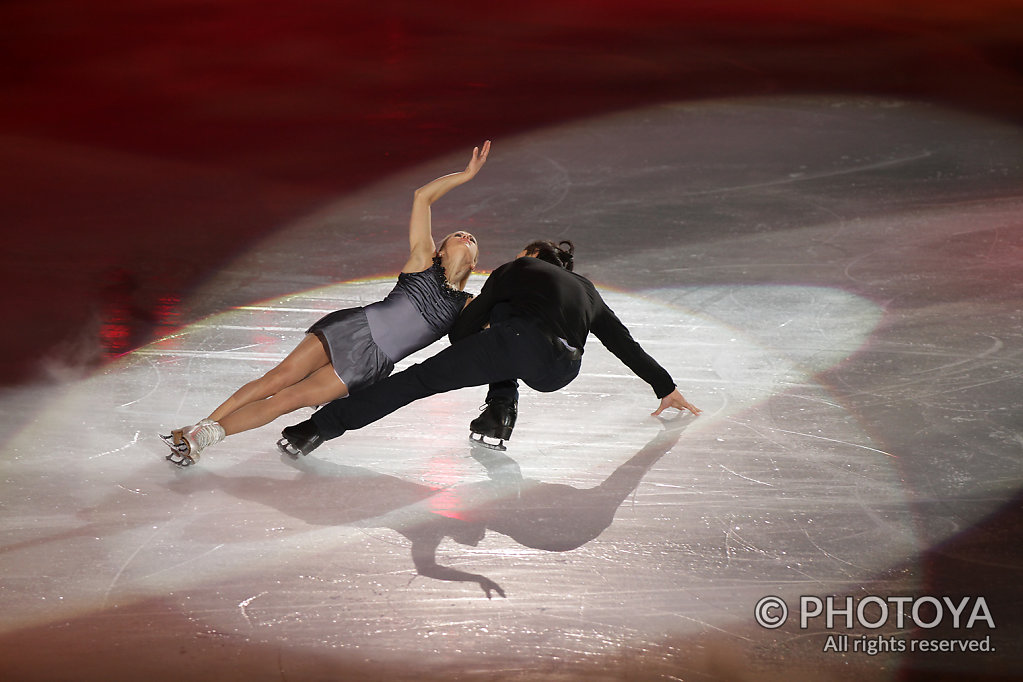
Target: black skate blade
<point x="480" y="439"/>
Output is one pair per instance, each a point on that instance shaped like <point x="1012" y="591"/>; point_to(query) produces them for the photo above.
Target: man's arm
<point x="616" y="338"/>
<point x="476" y="314"/>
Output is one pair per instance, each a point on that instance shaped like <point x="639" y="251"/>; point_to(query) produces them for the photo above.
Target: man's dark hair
<point x="560" y="254"/>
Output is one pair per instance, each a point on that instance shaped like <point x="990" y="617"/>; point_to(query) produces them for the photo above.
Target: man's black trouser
<point x="515" y="348"/>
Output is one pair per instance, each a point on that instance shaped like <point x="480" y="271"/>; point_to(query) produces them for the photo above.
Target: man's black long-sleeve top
<point x="567" y="305"/>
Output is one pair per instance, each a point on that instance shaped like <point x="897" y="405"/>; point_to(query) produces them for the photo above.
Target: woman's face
<point x="462" y="240"/>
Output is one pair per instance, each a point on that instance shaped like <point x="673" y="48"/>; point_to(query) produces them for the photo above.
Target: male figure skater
<point x="530" y="322"/>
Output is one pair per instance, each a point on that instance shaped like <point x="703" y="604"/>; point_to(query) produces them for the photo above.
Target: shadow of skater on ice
<point x="553" y="517"/>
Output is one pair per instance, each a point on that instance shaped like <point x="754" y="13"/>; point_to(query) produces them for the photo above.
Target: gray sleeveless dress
<point x="364" y="343"/>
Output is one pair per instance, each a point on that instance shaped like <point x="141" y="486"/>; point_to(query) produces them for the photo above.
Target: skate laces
<point x="206" y="433"/>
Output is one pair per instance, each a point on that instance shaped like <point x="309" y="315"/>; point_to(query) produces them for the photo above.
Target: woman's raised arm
<point x="420" y="234"/>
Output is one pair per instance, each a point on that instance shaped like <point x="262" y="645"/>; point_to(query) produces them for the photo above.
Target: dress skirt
<point x="356" y="358"/>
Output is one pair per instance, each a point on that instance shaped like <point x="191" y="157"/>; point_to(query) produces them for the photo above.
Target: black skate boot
<point x="496" y="423"/>
<point x="300" y="439"/>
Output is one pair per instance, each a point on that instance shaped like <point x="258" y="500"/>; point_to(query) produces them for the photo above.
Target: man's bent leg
<point x="495" y="354"/>
<point x="504" y="390"/>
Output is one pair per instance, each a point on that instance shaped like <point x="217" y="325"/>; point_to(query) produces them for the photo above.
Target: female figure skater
<point x="353" y="348"/>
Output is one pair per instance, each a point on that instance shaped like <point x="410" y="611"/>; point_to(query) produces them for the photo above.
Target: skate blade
<point x="180" y="460"/>
<point x="286" y="448"/>
<point x="178" y="452"/>
<point x="481" y="440"/>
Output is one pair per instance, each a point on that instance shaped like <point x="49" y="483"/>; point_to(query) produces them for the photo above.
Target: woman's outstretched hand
<point x="479" y="157"/>
<point x="676" y="400"/>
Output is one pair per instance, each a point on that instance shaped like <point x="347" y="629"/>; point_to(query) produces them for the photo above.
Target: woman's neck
<point x="456" y="270"/>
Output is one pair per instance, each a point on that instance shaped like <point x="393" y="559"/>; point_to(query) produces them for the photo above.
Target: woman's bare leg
<point x="320" y="387"/>
<point x="308" y="357"/>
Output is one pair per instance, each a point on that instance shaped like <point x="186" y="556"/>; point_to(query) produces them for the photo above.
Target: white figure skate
<point x="187" y="443"/>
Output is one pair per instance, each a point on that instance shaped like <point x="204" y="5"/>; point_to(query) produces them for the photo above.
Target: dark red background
<point x="130" y="130"/>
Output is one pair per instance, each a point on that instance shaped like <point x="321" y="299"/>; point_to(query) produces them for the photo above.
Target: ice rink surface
<point x="836" y="282"/>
